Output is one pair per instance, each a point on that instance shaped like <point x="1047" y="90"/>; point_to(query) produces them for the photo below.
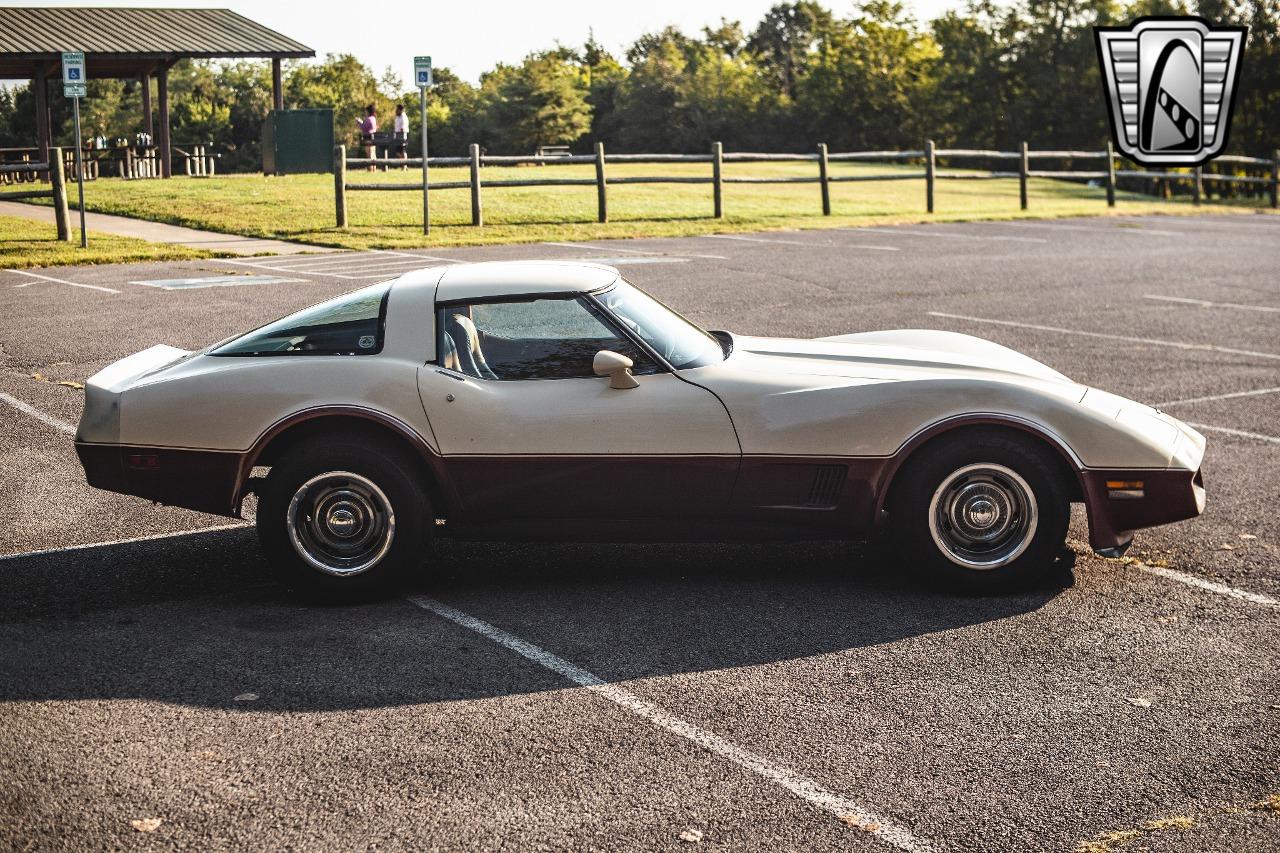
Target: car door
<point x="527" y="430"/>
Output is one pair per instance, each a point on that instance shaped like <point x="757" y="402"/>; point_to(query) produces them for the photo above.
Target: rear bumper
<point x="1167" y="496"/>
<point x="204" y="480"/>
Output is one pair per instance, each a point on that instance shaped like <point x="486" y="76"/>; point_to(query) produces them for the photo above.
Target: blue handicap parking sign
<point x="424" y="76"/>
<point x="73" y="73"/>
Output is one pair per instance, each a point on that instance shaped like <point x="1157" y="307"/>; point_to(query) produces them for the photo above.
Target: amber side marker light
<point x="1125" y="490"/>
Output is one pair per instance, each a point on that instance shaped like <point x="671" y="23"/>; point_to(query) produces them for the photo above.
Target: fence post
<point x="58" y="180"/>
<point x="602" y="199"/>
<point x="929" y="168"/>
<point x="1275" y="178"/>
<point x="822" y="176"/>
<point x="717" y="158"/>
<point x="340" y="185"/>
<point x="1023" y="168"/>
<point x="1111" y="174"/>
<point x="1197" y="185"/>
<point x="477" y="212"/>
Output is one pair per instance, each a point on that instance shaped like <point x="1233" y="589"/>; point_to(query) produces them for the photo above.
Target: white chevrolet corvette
<point x="555" y="400"/>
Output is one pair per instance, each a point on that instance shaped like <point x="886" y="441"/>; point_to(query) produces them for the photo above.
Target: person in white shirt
<point x="401" y="131"/>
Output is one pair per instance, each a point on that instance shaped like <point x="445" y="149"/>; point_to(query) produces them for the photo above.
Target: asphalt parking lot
<point x="541" y="696"/>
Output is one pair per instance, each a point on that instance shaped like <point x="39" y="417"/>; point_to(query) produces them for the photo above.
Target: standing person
<point x="368" y="127"/>
<point x="401" y="130"/>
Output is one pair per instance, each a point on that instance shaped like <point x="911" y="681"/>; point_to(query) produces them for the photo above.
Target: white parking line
<point x="375" y="266"/>
<point x="1239" y="433"/>
<point x="801" y="786"/>
<point x="50" y="420"/>
<point x="299" y="272"/>
<point x="1259" y="392"/>
<point x="1109" y="337"/>
<point x="63" y="281"/>
<point x="1210" y="586"/>
<point x="1205" y="303"/>
<point x="951" y="235"/>
<point x="151" y="538"/>
<point x="1055" y="226"/>
<point x="626" y="251"/>
<point x="867" y="246"/>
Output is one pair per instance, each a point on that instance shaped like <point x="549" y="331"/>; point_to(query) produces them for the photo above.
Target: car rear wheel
<point x="982" y="511"/>
<point x="343" y="519"/>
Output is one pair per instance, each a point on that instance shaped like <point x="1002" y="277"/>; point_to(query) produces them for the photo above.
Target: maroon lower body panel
<point x="204" y="480"/>
<point x="517" y="487"/>
<point x="1168" y="496"/>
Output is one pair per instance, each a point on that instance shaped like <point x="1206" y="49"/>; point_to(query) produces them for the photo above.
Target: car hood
<point x="904" y="354"/>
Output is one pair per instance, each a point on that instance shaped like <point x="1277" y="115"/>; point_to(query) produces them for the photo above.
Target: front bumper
<point x="1167" y="496"/>
<point x="204" y="480"/>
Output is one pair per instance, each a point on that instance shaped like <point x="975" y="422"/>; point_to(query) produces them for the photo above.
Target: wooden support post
<point x="126" y="165"/>
<point x="1023" y="168"/>
<point x="58" y="179"/>
<point x="340" y="185"/>
<point x="930" y="163"/>
<point x="277" y="85"/>
<point x="717" y="188"/>
<point x="477" y="212"/>
<point x="824" y="179"/>
<point x="1111" y="174"/>
<point x="1197" y="185"/>
<point x="44" y="131"/>
<point x="165" y="144"/>
<point x="1275" y="179"/>
<point x="148" y="117"/>
<point x="602" y="193"/>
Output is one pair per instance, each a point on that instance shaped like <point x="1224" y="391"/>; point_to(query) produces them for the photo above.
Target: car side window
<point x="530" y="339"/>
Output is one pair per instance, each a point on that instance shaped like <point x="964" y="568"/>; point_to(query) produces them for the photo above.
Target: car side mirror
<point x="617" y="367"/>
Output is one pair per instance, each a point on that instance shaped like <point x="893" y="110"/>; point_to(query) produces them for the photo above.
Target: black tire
<point x="955" y="492"/>
<point x="344" y="484"/>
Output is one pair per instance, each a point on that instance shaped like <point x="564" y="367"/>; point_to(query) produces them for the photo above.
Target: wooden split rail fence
<point x="26" y="172"/>
<point x="1106" y="173"/>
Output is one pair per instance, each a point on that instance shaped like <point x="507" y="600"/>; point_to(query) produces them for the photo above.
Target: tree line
<point x="991" y="75"/>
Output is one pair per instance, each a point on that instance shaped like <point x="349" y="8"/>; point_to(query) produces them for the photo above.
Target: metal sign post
<point x="74" y="87"/>
<point x="422" y="77"/>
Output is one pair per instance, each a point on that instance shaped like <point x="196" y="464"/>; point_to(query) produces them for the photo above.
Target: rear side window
<point x="351" y="324"/>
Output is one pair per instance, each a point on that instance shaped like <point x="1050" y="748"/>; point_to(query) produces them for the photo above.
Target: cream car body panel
<point x="869" y="394"/>
<point x="752" y="437"/>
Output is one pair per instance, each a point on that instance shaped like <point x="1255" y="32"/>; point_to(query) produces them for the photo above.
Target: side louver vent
<point x="825" y="489"/>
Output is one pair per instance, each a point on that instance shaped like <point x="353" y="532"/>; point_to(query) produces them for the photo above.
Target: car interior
<point x="481" y="354"/>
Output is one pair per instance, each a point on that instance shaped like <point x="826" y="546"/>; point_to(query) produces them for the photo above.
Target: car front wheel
<point x="342" y="519"/>
<point x="983" y="511"/>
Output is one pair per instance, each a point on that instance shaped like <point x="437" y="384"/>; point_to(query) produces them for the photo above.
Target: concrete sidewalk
<point x="158" y="232"/>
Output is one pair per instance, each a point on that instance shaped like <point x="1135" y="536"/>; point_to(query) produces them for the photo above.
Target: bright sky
<point x="469" y="37"/>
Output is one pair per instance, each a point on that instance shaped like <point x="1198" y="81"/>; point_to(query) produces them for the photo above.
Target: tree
<point x="786" y="37"/>
<point x="543" y="101"/>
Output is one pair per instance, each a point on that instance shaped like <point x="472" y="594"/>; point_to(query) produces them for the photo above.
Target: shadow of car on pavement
<point x="197" y="620"/>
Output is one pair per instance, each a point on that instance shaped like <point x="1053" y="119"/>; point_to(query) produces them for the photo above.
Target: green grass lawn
<point x="27" y="243"/>
<point x="301" y="207"/>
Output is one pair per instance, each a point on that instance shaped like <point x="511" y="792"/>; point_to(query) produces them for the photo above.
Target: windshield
<point x="680" y="342"/>
<point x="350" y="324"/>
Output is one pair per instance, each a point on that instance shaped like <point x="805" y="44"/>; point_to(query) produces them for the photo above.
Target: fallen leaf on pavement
<point x="1247" y="536"/>
<point x="147" y="824"/>
<point x="1225" y="547"/>
<point x="691" y="836"/>
<point x="247" y="697"/>
<point x="858" y="823"/>
<point x="1138" y="702"/>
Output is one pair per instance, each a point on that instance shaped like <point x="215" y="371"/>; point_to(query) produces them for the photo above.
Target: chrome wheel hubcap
<point x="341" y="523"/>
<point x="983" y="516"/>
